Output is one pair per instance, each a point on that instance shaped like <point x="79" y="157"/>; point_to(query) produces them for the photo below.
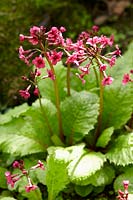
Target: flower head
<point x="107" y="80"/>
<point x="54" y="56"/>
<point x="30" y="187"/>
<point x="126" y="79"/>
<point x="24" y="93"/>
<point x="38" y="62"/>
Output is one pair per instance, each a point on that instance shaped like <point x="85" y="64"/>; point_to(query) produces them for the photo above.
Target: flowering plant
<point x="84" y="103"/>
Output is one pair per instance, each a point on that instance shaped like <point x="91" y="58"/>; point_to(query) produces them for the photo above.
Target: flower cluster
<point x="50" y="47"/>
<point x="13" y="178"/>
<point x="124" y="195"/>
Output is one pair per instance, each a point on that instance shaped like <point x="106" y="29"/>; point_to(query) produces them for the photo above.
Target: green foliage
<point x="121" y="150"/>
<point x="83" y="166"/>
<point x="46" y="86"/>
<point x="105" y="137"/>
<point x="102" y="177"/>
<point x="83" y="191"/>
<point x="3" y="183"/>
<point x="79" y="114"/>
<point x="56" y="174"/>
<point x="29" y="131"/>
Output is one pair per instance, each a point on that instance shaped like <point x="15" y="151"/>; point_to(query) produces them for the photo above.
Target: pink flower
<point x="37" y="72"/>
<point x="50" y="74"/>
<point x="81" y="77"/>
<point x="36" y="92"/>
<point x="107" y="80"/>
<point x="126" y="184"/>
<point x="62" y="29"/>
<point x="33" y="40"/>
<point x="55" y="36"/>
<point x="21" y="37"/>
<point x="34" y="31"/>
<point x="72" y="59"/>
<point x="95" y="28"/>
<point x="39" y="165"/>
<point x="11" y="179"/>
<point x="85" y="70"/>
<point x="16" y="164"/>
<point x="103" y="67"/>
<point x="38" y="62"/>
<point x="30" y="188"/>
<point x="126" y="79"/>
<point x="93" y="41"/>
<point x="55" y="56"/>
<point x="24" y="93"/>
<point x="112" y="61"/>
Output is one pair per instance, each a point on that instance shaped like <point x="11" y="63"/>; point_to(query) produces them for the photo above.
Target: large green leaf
<point x="47" y="87"/>
<point x="56" y="172"/>
<point x="15" y="112"/>
<point x="79" y="114"/>
<point x="102" y="177"/>
<point x="29" y="133"/>
<point x="118" y="106"/>
<point x="118" y="99"/>
<point x="85" y="165"/>
<point x="121" y="150"/>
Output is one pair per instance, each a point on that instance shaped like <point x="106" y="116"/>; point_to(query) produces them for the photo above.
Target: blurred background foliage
<point x="17" y="16"/>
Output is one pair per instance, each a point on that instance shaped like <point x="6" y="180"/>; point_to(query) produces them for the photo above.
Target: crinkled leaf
<point x="29" y="133"/>
<point x="128" y="175"/>
<point x="104" y="176"/>
<point x="47" y="87"/>
<point x="15" y="112"/>
<point x="105" y="137"/>
<point x="121" y="150"/>
<point x="118" y="99"/>
<point x="56" y="172"/>
<point x="85" y="165"/>
<point x="118" y="106"/>
<point x="83" y="191"/>
<point x="79" y="114"/>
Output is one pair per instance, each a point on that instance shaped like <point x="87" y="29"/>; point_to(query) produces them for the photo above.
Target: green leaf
<point x="105" y="137"/>
<point x="118" y="99"/>
<point x="3" y="183"/>
<point x="47" y="87"/>
<point x="79" y="114"/>
<point x="83" y="191"/>
<point x="56" y="172"/>
<point x="121" y="150"/>
<point x="12" y="113"/>
<point x="128" y="175"/>
<point x="85" y="165"/>
<point x="29" y="133"/>
<point x="102" y="177"/>
<point x="117" y="106"/>
<point x="90" y="84"/>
